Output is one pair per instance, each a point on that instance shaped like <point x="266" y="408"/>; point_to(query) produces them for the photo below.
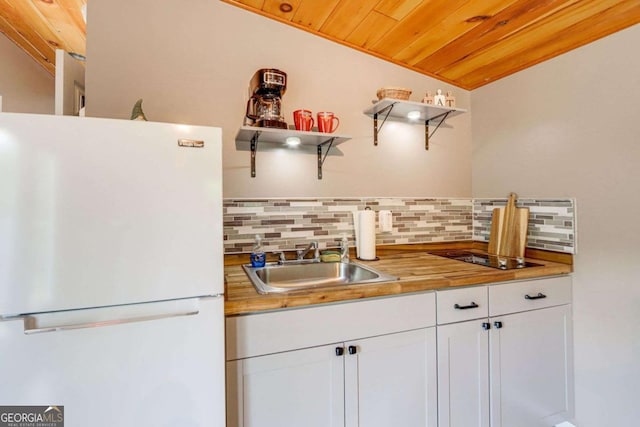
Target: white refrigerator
<point x="111" y="270"/>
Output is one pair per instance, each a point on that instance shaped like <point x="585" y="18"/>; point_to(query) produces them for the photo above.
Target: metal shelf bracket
<point x="376" y="129"/>
<point x="254" y="148"/>
<point x="321" y="157"/>
<point x="428" y="135"/>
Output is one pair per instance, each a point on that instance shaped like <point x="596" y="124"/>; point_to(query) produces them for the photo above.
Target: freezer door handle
<point x="31" y="322"/>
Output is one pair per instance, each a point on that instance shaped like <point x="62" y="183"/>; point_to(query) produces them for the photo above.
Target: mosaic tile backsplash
<point x="287" y="224"/>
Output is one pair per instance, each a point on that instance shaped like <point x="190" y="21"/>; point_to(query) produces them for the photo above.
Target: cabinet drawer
<point x="277" y="331"/>
<point x="457" y="305"/>
<point x="529" y="295"/>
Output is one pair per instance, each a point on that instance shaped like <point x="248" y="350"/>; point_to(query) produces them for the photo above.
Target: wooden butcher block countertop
<point x="416" y="269"/>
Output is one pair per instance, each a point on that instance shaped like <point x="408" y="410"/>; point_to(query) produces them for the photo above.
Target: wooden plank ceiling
<point x="39" y="27"/>
<point x="468" y="43"/>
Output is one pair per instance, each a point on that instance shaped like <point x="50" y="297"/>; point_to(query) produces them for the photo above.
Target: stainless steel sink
<point x="275" y="277"/>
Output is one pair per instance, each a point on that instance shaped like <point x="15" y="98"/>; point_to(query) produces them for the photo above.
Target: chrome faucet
<point x="300" y="254"/>
<point x="312" y="246"/>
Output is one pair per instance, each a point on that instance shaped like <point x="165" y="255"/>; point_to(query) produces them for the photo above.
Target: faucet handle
<point x="281" y="256"/>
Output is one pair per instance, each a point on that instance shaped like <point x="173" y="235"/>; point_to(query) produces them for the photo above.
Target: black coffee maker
<point x="264" y="108"/>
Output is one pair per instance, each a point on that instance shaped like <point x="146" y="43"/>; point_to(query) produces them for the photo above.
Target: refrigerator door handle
<point x="96" y="317"/>
<point x="31" y="322"/>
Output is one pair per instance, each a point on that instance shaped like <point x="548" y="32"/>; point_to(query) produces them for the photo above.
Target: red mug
<point x="326" y="121"/>
<point x="303" y="120"/>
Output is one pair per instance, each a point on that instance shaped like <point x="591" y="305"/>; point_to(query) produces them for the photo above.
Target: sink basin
<point x="275" y="277"/>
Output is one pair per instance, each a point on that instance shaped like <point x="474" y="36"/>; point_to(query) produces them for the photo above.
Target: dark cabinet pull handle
<point x="486" y="326"/>
<point x="466" y="307"/>
<point x="339" y="351"/>
<point x="352" y="349"/>
<point x="539" y="296"/>
<point x="498" y="325"/>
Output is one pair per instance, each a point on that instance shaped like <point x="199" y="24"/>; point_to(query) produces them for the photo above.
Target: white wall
<point x="68" y="81"/>
<point x="569" y="127"/>
<point x="25" y="86"/>
<point x="191" y="61"/>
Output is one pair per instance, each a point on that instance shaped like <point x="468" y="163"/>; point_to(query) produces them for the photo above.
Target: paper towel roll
<point x="366" y="235"/>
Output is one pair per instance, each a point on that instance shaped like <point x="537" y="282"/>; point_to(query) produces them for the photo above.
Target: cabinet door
<point x="531" y="368"/>
<point x="391" y="380"/>
<point x="294" y="388"/>
<point x="463" y="374"/>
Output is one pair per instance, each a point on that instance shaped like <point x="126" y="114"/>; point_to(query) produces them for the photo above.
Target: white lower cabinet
<point x="391" y="380"/>
<point x="512" y="365"/>
<point x="531" y="368"/>
<point x="295" y="388"/>
<point x="463" y="374"/>
<point x="386" y="378"/>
